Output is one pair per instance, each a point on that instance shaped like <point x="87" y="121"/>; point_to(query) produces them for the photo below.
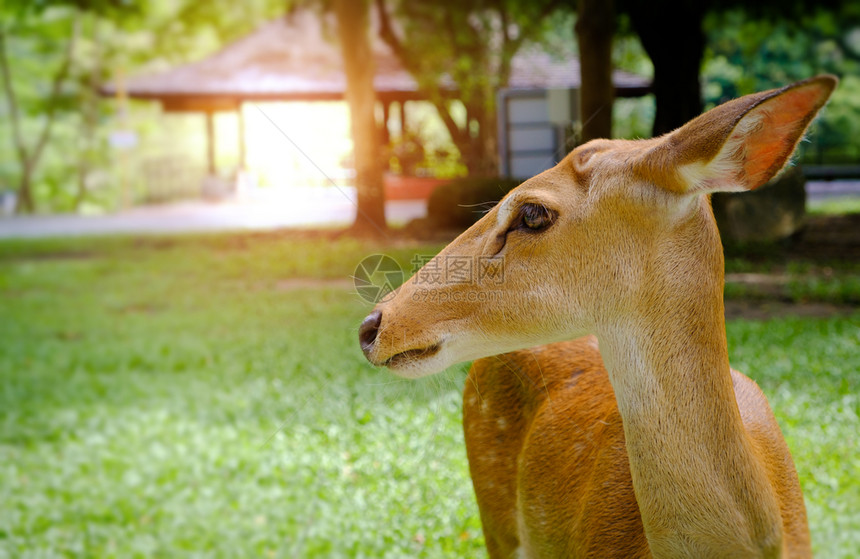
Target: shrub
<point x="462" y="202"/>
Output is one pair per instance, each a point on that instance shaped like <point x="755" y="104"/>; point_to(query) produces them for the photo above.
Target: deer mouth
<point x="411" y="356"/>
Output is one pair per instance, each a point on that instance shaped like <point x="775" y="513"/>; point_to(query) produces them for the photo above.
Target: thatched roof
<point x="295" y="58"/>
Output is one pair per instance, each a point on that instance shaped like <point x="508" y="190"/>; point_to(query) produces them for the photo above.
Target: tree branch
<point x="56" y="88"/>
<point x="30" y="157"/>
<point x="387" y="34"/>
<point x="528" y="32"/>
<point x="11" y="99"/>
<point x="503" y="16"/>
<point x="444" y="110"/>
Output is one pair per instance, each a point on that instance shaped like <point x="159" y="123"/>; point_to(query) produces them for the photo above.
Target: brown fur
<point x="526" y="419"/>
<point x="651" y="446"/>
<point x="535" y="419"/>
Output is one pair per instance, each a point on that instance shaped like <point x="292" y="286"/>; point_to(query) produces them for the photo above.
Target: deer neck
<point x="701" y="489"/>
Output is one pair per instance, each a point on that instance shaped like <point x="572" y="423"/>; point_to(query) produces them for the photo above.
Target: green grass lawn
<point x="836" y="205"/>
<point x="196" y="396"/>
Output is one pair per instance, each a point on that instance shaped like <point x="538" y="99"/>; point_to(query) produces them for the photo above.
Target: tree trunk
<point x="26" y="203"/>
<point x="89" y="103"/>
<point x="480" y="137"/>
<point x="677" y="61"/>
<point x="489" y="136"/>
<point x="595" y="26"/>
<point x="353" y="31"/>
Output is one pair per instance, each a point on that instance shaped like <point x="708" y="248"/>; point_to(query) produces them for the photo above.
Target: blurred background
<point x="188" y="191"/>
<point x="113" y="104"/>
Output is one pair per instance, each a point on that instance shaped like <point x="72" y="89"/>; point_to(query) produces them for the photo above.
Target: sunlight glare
<point x="319" y="129"/>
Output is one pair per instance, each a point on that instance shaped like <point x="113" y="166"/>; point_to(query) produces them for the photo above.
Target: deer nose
<point x="368" y="330"/>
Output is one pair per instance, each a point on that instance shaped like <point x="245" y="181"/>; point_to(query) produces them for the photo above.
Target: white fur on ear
<point x="751" y="138"/>
<point x="723" y="173"/>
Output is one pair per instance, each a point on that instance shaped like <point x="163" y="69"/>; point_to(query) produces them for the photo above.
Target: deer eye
<point x="536" y="217"/>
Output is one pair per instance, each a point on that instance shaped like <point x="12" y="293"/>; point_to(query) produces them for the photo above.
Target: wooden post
<point x="386" y="113"/>
<point x="122" y="109"/>
<point x="243" y="164"/>
<point x="210" y="141"/>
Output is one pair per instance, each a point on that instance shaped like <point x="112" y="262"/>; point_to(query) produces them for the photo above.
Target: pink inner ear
<point x="785" y="118"/>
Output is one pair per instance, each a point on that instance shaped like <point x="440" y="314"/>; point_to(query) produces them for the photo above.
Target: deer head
<point x="617" y="231"/>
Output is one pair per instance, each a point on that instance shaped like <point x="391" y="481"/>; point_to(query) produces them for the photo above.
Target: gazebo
<point x="294" y="59"/>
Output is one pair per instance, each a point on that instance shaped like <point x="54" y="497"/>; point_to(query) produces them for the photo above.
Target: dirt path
<point x="765" y="310"/>
<point x="829" y="237"/>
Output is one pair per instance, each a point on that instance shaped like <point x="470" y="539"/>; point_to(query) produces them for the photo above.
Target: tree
<point x="747" y="55"/>
<point x="50" y="60"/>
<point x="353" y="29"/>
<point x="29" y="153"/>
<point x="672" y="34"/>
<point x="594" y="29"/>
<point x="463" y="48"/>
<point x="53" y="56"/>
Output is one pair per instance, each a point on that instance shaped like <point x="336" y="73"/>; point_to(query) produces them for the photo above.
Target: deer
<point x="601" y="416"/>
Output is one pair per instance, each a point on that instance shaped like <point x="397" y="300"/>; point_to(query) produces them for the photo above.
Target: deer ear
<point x="744" y="143"/>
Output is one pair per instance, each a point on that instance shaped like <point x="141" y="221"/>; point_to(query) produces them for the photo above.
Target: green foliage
<point x="79" y="170"/>
<point x="113" y="8"/>
<point x="632" y="118"/>
<point x="186" y="27"/>
<point x="479" y="39"/>
<point x="425" y="149"/>
<point x="34" y="72"/>
<point x="747" y="54"/>
<point x="467" y="47"/>
<point x="754" y="48"/>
